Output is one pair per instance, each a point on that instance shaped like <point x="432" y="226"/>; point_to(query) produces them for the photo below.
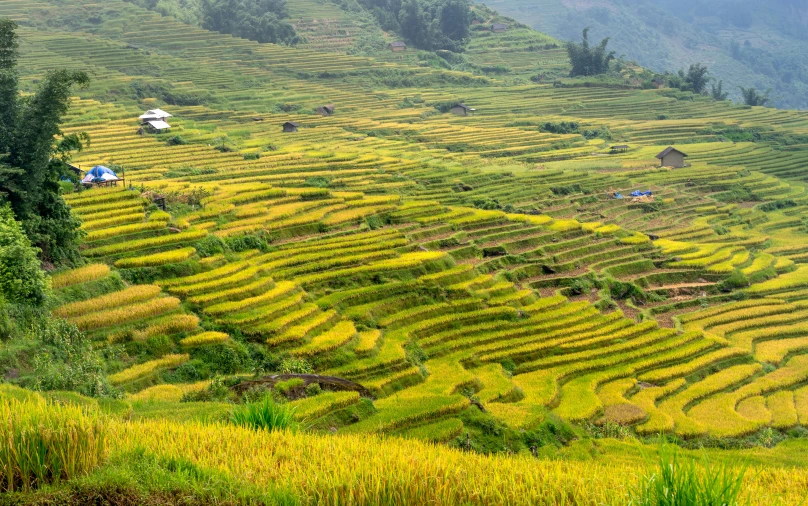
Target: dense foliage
<point x="31" y="164"/>
<point x="587" y="60"/>
<point x="426" y="24"/>
<point x="258" y="20"/>
<point x="21" y="279"/>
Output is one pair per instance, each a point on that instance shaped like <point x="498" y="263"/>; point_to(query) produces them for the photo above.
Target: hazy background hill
<point x="743" y="42"/>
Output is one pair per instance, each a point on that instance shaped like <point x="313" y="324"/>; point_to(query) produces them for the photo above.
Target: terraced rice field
<point x="434" y="259"/>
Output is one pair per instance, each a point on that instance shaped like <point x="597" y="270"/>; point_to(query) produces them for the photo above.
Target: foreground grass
<point x="158" y="462"/>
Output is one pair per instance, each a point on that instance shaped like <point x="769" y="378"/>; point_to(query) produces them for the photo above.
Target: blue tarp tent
<point x="99" y="174"/>
<point x="618" y="195"/>
<point x="638" y="193"/>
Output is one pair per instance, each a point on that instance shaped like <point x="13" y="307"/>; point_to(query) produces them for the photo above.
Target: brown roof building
<point x="672" y="157"/>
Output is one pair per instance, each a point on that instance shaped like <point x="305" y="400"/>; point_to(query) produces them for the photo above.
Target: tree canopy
<point x="753" y="97"/>
<point x="587" y="60"/>
<point x="34" y="152"/>
<point x="425" y="24"/>
<point x="258" y="20"/>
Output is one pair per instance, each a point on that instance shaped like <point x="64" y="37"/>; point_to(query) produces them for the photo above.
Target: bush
<point x="44" y="443"/>
<point x="252" y="156"/>
<point x="682" y="482"/>
<point x="264" y="415"/>
<point x="68" y="361"/>
<point x="176" y="141"/>
<point x="295" y="366"/>
<point x="21" y="279"/>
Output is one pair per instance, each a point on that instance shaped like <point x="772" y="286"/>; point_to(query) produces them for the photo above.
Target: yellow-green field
<point x="449" y="265"/>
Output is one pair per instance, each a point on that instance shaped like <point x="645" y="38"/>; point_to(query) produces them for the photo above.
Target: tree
<point x="259" y="20"/>
<point x="31" y="161"/>
<point x="9" y="47"/>
<point x="455" y="20"/>
<point x="587" y="60"/>
<point x="21" y="279"/>
<point x="754" y="98"/>
<point x="717" y="91"/>
<point x="696" y="79"/>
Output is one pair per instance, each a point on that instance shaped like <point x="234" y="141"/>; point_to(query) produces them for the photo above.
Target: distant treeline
<point x="425" y="24"/>
<point x="259" y="20"/>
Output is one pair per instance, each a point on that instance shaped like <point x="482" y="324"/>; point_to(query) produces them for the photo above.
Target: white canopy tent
<point x="154" y="114"/>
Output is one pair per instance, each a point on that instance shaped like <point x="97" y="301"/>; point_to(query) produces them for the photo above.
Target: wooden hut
<point x="672" y="157"/>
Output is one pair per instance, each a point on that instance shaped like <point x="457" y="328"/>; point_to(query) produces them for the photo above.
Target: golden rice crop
<point x="368" y="340"/>
<point x="157" y="259"/>
<point x="289" y="318"/>
<point x="168" y="393"/>
<point x="279" y="290"/>
<point x="141" y="370"/>
<point x="300" y="331"/>
<point x="134" y="217"/>
<point x="315" y="407"/>
<point x="153" y="242"/>
<point x="81" y="275"/>
<point x="782" y="409"/>
<point x="204" y="338"/>
<point x="129" y="295"/>
<point x="125" y="314"/>
<point x="329" y="340"/>
<point x="788" y="281"/>
<point x="164" y="326"/>
<point x="678" y="370"/>
<point x="134" y="228"/>
<point x="47" y="443"/>
<point x="777" y="350"/>
<point x="725" y="308"/>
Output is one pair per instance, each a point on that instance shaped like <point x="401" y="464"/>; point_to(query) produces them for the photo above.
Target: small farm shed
<point x="397" y="46"/>
<point x="463" y="110"/>
<point x="622" y="148"/>
<point x="672" y="157"/>
<point x="154" y="115"/>
<point x="499" y="27"/>
<point x="157" y="126"/>
<point x="155" y="120"/>
<point x="290" y="126"/>
<point x="326" y="110"/>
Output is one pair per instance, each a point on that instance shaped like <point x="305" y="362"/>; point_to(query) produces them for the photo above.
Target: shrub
<point x="44" y="443"/>
<point x="681" y="482"/>
<point x="295" y="366"/>
<point x="252" y="156"/>
<point x="67" y="361"/>
<point x="21" y="279"/>
<point x="265" y="414"/>
<point x="176" y="141"/>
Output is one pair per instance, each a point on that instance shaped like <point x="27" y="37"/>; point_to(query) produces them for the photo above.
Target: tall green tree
<point x="695" y="79"/>
<point x="21" y="279"/>
<point x="34" y="152"/>
<point x="587" y="60"/>
<point x="9" y="47"/>
<point x="753" y="97"/>
<point x="717" y="91"/>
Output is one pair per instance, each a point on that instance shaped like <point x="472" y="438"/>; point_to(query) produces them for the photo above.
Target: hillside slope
<point x="744" y="43"/>
<point x="472" y="273"/>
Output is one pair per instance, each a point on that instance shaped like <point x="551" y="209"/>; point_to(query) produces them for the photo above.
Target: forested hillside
<point x="743" y="42"/>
